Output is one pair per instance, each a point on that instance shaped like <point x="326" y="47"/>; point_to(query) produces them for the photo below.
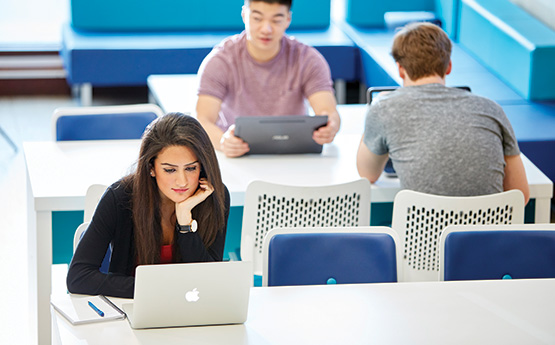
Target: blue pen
<point x="98" y="311"/>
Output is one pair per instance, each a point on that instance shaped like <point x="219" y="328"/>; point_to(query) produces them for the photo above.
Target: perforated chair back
<point x="314" y="256"/>
<point x="268" y="206"/>
<point x="94" y="193"/>
<point x="474" y="252"/>
<point x="419" y="219"/>
<point x="104" y="122"/>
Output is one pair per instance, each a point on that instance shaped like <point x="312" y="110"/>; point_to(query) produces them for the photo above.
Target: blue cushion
<point x="448" y="12"/>
<point x="102" y="127"/>
<point x="127" y="59"/>
<point x="173" y="15"/>
<point x="520" y="51"/>
<point x="301" y="259"/>
<point x="379" y="68"/>
<point x="534" y="126"/>
<point x="494" y="254"/>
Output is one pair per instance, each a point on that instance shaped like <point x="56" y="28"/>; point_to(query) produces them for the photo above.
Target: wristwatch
<point x="184" y="229"/>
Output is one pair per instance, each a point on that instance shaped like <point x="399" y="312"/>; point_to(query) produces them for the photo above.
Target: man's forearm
<point x="370" y="165"/>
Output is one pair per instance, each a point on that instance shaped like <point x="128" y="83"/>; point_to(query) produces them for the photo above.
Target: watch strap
<point x="184" y="229"/>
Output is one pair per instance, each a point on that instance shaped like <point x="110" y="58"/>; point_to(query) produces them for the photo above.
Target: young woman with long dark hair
<point x="172" y="208"/>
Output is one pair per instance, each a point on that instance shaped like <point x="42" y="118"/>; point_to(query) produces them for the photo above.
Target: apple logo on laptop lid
<point x="192" y="296"/>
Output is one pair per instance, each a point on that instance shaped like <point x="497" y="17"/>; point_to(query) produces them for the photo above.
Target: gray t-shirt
<point x="250" y="88"/>
<point x="441" y="140"/>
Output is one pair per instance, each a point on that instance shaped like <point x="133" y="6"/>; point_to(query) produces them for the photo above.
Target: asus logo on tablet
<point x="280" y="137"/>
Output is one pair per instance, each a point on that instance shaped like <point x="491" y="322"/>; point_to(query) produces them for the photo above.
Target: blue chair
<point x="104" y="122"/>
<point x="478" y="252"/>
<point x="314" y="256"/>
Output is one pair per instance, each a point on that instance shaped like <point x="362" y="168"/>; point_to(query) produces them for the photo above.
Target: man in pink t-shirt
<point x="262" y="71"/>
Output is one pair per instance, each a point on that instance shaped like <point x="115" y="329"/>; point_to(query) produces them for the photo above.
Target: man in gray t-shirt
<point x="441" y="140"/>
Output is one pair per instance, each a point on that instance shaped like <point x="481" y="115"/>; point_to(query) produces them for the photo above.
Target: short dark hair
<point x="422" y="49"/>
<point x="287" y="3"/>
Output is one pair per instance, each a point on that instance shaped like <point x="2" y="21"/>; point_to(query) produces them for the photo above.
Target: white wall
<point x="544" y="10"/>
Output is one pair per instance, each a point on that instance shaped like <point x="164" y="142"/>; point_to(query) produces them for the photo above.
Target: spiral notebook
<point x="77" y="310"/>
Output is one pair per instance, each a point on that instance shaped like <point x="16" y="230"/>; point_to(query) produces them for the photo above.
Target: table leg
<point x="40" y="267"/>
<point x="543" y="210"/>
<point x="340" y="91"/>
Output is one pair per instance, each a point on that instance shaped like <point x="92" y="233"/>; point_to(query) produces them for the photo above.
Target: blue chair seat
<point x="331" y="258"/>
<point x="499" y="252"/>
<point x="104" y="123"/>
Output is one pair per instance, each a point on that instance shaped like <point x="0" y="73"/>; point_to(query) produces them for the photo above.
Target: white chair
<point x="92" y="197"/>
<point x="419" y="218"/>
<point x="79" y="233"/>
<point x="94" y="193"/>
<point x="268" y="206"/>
<point x="337" y="255"/>
<point x="104" y="267"/>
<point x="103" y="122"/>
<point x="478" y="252"/>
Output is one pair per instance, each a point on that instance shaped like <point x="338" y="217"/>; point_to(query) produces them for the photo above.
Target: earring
<point x="152" y="173"/>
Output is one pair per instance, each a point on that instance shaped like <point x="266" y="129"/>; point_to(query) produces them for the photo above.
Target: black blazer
<point x="112" y="223"/>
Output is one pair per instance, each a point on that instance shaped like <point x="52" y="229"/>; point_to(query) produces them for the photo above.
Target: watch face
<point x="194" y="226"/>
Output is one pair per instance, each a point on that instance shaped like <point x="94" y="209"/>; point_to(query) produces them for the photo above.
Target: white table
<point x="174" y="92"/>
<point x="59" y="174"/>
<point x="472" y="312"/>
<point x="177" y="93"/>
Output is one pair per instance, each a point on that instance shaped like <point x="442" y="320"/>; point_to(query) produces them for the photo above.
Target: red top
<point x="166" y="254"/>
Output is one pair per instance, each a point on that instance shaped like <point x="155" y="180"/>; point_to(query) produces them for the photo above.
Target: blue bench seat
<point x="517" y="47"/>
<point x="127" y="59"/>
<point x="379" y="68"/>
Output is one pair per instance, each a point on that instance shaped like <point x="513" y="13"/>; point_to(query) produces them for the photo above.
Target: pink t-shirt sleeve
<point x="214" y="72"/>
<point x="316" y="74"/>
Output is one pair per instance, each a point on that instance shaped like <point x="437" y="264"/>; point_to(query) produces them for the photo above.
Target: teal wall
<point x="64" y="224"/>
<point x="179" y="15"/>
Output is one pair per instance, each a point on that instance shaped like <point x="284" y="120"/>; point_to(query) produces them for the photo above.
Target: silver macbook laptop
<point x="280" y="134"/>
<point x="193" y="294"/>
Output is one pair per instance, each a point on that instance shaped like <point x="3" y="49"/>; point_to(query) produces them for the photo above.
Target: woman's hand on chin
<point x="183" y="209"/>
